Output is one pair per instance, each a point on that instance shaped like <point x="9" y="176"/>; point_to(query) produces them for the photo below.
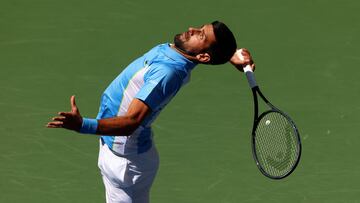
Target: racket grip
<point x="247" y="70"/>
<point x="250" y="76"/>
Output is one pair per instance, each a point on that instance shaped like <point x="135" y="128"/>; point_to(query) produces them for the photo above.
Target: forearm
<point x="120" y="126"/>
<point x="116" y="126"/>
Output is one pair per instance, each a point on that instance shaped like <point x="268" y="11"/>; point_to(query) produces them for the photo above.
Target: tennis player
<point x="128" y="159"/>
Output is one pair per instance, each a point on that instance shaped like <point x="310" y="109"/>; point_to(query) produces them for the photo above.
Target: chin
<point x="177" y="41"/>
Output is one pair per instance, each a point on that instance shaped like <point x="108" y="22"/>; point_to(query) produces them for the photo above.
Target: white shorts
<point x="128" y="179"/>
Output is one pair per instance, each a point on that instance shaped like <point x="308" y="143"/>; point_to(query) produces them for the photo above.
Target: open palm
<point x="70" y="120"/>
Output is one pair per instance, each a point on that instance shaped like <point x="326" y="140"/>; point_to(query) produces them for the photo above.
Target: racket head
<point x="276" y="144"/>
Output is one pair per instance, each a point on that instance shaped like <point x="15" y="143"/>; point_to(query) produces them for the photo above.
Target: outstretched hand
<point x="244" y="60"/>
<point x="70" y="120"/>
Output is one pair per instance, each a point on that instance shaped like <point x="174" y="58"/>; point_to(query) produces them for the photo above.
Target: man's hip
<point x="128" y="178"/>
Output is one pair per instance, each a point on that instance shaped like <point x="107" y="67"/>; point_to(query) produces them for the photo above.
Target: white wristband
<point x="248" y="68"/>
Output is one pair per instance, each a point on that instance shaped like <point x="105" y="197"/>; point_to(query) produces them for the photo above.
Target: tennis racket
<point x="276" y="144"/>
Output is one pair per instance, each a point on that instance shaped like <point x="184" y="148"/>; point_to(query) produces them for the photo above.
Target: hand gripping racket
<point x="276" y="144"/>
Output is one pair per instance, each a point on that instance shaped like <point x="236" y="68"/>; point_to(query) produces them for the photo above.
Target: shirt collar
<point x="176" y="56"/>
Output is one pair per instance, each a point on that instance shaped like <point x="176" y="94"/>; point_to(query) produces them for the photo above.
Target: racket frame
<point x="256" y="91"/>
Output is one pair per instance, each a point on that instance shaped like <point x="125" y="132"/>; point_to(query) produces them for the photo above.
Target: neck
<point x="191" y="58"/>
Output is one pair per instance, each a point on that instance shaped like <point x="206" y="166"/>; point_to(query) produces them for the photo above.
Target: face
<point x="196" y="40"/>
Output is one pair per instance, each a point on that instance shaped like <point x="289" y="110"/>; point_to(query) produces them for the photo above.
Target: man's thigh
<point x="128" y="180"/>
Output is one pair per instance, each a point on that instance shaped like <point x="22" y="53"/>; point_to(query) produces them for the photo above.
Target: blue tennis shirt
<point x="154" y="78"/>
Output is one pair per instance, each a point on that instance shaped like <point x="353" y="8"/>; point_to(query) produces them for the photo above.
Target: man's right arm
<point x="241" y="62"/>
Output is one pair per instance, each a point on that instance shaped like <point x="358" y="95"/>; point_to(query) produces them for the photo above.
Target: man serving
<point x="128" y="159"/>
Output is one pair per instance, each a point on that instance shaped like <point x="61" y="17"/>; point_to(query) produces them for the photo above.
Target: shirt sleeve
<point x="160" y="86"/>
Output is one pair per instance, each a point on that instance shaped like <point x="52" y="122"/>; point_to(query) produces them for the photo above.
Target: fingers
<point x="241" y="59"/>
<point x="244" y="54"/>
<point x="247" y="57"/>
<point x="244" y="51"/>
<point x="69" y="120"/>
<point x="55" y="124"/>
<point x="247" y="61"/>
<point x="58" y="121"/>
<point x="66" y="114"/>
<point x="72" y="101"/>
<point x="59" y="118"/>
<point x="73" y="104"/>
<point x="253" y="67"/>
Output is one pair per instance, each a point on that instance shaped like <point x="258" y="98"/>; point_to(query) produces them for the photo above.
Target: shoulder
<point x="163" y="70"/>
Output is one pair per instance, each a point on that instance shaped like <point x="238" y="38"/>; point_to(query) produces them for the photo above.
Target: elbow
<point x="127" y="133"/>
<point x="132" y="128"/>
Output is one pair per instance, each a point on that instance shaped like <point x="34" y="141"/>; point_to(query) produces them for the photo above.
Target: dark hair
<point x="224" y="47"/>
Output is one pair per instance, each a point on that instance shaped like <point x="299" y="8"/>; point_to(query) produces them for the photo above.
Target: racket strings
<point x="275" y="144"/>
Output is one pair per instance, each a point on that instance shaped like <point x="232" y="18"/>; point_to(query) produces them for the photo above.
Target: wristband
<point x="89" y="126"/>
<point x="248" y="68"/>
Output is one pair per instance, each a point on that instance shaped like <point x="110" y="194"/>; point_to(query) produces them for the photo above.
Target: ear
<point x="203" y="58"/>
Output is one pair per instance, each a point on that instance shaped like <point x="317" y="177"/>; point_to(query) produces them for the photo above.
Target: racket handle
<point x="248" y="71"/>
<point x="250" y="76"/>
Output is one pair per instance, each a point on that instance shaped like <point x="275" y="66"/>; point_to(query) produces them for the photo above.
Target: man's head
<point x="210" y="44"/>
